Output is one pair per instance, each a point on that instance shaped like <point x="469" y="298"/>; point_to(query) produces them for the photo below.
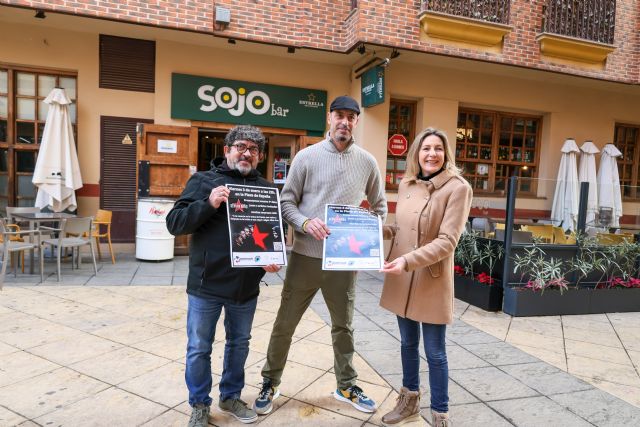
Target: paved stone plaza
<point x="109" y="350"/>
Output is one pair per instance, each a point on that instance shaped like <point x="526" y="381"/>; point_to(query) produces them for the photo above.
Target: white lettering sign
<point x="256" y="102"/>
<point x="167" y="146"/>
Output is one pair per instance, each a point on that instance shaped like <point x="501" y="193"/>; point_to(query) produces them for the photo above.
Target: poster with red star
<point x="255" y="226"/>
<point x="355" y="242"/>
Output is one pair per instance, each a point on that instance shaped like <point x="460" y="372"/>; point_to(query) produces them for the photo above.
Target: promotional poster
<point x="255" y="226"/>
<point x="355" y="242"/>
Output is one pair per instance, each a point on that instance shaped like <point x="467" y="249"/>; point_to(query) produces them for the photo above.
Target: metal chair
<point x="80" y="229"/>
<point x="15" y="222"/>
<point x="542" y="231"/>
<point x="613" y="239"/>
<point x="604" y="217"/>
<point x="10" y="246"/>
<point x="103" y="218"/>
<point x="517" y="236"/>
<point x="482" y="225"/>
<point x="14" y="238"/>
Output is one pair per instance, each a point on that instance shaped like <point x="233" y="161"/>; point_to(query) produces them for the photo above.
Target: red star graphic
<point x="337" y="219"/>
<point x="354" y="245"/>
<point x="258" y="237"/>
<point x="238" y="206"/>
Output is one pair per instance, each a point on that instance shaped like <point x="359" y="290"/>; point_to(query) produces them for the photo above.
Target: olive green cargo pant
<point x="303" y="279"/>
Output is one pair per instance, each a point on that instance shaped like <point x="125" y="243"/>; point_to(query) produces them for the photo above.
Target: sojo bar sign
<point x="397" y="145"/>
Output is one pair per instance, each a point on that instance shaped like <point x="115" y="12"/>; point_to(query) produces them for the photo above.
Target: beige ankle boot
<point x="440" y="419"/>
<point x="407" y="409"/>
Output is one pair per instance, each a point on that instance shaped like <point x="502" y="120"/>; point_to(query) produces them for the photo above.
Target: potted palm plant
<point x="597" y="279"/>
<point x="475" y="262"/>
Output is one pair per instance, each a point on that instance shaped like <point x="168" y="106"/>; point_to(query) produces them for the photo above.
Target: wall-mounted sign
<point x="127" y="140"/>
<point x="372" y="87"/>
<point x="167" y="146"/>
<point x="234" y="101"/>
<point x="397" y="145"/>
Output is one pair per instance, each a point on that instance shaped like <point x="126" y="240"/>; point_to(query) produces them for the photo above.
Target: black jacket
<point x="210" y="272"/>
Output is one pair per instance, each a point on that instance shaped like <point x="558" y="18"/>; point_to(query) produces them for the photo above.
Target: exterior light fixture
<point x="362" y="49"/>
<point x="231" y="41"/>
<point x="40" y="14"/>
<point x="291" y="49"/>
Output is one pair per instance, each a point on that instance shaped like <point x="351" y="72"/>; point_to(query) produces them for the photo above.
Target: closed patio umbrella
<point x="609" y="195"/>
<point x="587" y="173"/>
<point x="564" y="211"/>
<point x="57" y="172"/>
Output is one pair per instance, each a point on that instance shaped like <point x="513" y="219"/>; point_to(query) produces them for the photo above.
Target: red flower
<point x="484" y="278"/>
<point x="618" y="282"/>
<point x="458" y="270"/>
<point x="634" y="282"/>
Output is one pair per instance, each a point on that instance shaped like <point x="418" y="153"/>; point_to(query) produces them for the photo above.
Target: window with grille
<point x="127" y="64"/>
<point x="492" y="146"/>
<point x="22" y="117"/>
<point x="402" y="120"/>
<point x="626" y="139"/>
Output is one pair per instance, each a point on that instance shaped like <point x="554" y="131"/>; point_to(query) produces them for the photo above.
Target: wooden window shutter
<point x="118" y="186"/>
<point x="127" y="64"/>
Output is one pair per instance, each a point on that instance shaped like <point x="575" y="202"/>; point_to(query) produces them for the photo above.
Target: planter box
<point x="478" y="294"/>
<point x="524" y="302"/>
<point x="614" y="300"/>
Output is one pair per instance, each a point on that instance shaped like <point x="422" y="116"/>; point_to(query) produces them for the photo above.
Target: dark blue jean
<point x="434" y="348"/>
<point x="202" y="317"/>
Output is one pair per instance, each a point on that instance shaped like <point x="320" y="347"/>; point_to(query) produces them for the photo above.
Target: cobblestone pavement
<point x="109" y="350"/>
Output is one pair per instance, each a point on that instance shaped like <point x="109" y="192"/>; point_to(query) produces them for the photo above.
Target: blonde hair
<point x="413" y="165"/>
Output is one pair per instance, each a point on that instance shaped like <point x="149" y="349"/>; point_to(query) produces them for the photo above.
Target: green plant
<point x="589" y="258"/>
<point x="466" y="253"/>
<point x="611" y="261"/>
<point x="489" y="254"/>
<point x="473" y="251"/>
<point x="620" y="260"/>
<point x="541" y="271"/>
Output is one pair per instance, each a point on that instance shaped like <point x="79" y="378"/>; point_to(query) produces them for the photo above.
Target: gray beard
<point x="342" y="139"/>
<point x="242" y="169"/>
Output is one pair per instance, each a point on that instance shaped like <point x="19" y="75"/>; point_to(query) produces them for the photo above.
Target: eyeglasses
<point x="241" y="148"/>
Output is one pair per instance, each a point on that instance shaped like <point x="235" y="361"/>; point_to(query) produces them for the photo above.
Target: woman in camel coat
<point x="433" y="206"/>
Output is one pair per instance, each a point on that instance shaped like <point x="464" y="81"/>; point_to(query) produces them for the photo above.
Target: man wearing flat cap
<point x="335" y="170"/>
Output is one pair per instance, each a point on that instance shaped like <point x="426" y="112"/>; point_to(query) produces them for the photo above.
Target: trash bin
<point x="153" y="240"/>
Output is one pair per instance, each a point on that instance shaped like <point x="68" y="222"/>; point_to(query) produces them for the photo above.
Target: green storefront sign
<point x="372" y="87"/>
<point x="233" y="101"/>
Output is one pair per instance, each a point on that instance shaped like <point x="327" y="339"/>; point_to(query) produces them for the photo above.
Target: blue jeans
<point x="202" y="317"/>
<point x="434" y="348"/>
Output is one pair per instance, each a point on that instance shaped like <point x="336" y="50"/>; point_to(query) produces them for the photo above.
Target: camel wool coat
<point x="430" y="216"/>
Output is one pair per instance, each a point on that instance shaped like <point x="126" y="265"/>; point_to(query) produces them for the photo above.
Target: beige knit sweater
<point x="319" y="175"/>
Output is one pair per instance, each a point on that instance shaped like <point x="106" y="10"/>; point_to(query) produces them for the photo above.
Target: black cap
<point x="345" y="103"/>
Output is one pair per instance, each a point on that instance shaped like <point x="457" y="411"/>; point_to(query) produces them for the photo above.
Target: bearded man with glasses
<point x="212" y="284"/>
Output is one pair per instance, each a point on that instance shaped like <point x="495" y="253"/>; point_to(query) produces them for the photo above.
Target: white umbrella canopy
<point x="564" y="210"/>
<point x="609" y="193"/>
<point x="587" y="173"/>
<point x="57" y="172"/>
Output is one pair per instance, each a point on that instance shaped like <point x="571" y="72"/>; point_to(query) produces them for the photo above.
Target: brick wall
<point x="185" y="14"/>
<point x="331" y="25"/>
